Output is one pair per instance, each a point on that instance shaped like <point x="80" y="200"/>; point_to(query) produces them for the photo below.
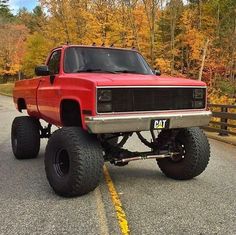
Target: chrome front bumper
<point x="142" y="122"/>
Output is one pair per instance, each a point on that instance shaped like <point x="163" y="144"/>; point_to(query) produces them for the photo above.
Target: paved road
<point x="153" y="203"/>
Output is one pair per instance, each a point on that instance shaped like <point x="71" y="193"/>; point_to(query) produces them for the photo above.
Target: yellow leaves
<point x="164" y="65"/>
<point x="172" y="35"/>
<point x="187" y="19"/>
<point x="37" y="50"/>
<point x="85" y="22"/>
<point x="11" y="47"/>
<point x="192" y="37"/>
<point x="215" y="97"/>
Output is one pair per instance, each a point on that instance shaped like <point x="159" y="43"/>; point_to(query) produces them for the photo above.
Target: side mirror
<point x="42" y="70"/>
<point x="157" y="72"/>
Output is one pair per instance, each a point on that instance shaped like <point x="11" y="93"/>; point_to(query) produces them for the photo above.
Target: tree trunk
<point x="200" y="13"/>
<point x="218" y="21"/>
<point x="182" y="59"/>
<point x="153" y="16"/>
<point x="203" y="60"/>
<point x="151" y="8"/>
<point x="133" y="26"/>
<point x="173" y="26"/>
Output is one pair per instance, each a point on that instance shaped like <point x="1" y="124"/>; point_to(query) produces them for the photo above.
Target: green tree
<point x="34" y="20"/>
<point x="5" y="12"/>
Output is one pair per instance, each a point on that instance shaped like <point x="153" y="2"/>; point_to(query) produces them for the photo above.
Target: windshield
<point x="79" y="59"/>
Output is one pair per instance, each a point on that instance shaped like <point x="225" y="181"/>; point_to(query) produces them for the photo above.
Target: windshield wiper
<point x="126" y="71"/>
<point x="94" y="70"/>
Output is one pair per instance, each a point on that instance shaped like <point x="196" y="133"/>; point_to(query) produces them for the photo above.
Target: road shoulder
<point x="226" y="139"/>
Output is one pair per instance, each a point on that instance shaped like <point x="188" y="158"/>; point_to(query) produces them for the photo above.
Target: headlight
<point x="198" y="104"/>
<point x="198" y="94"/>
<point x="104" y="107"/>
<point x="104" y="95"/>
<point x="104" y="100"/>
<point x="199" y="98"/>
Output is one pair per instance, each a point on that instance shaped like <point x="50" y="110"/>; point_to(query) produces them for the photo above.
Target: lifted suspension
<point x="45" y="132"/>
<point x="160" y="146"/>
<point x="144" y="156"/>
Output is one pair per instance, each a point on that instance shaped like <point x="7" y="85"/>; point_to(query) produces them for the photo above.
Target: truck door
<point x="48" y="95"/>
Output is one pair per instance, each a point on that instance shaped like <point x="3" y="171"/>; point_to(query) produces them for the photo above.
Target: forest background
<point x="194" y="39"/>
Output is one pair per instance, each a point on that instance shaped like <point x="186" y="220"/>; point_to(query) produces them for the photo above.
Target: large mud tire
<point x="25" y="137"/>
<point x="73" y="162"/>
<point x="195" y="157"/>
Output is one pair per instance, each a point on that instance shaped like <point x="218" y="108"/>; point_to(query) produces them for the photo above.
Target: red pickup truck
<point x="99" y="97"/>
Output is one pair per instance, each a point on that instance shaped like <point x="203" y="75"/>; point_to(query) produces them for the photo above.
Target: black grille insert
<point x="154" y="99"/>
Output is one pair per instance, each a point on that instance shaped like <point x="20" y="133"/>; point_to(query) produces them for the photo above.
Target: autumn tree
<point x="36" y="53"/>
<point x="34" y="20"/>
<point x="168" y="30"/>
<point x="194" y="38"/>
<point x="12" y="40"/>
<point x="151" y="7"/>
<point x="5" y="13"/>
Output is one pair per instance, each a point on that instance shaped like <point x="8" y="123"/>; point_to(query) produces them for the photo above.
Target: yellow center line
<point x="101" y="213"/>
<point x="120" y="213"/>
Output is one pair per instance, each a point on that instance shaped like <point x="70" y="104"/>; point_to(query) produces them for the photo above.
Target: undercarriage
<point x="162" y="145"/>
<point x="74" y="158"/>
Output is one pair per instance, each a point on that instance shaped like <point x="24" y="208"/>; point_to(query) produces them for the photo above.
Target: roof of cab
<point x="90" y="46"/>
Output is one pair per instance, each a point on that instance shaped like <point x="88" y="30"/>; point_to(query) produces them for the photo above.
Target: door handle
<point x="43" y="80"/>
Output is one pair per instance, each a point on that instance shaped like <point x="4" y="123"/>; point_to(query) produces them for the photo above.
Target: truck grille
<point x="152" y="99"/>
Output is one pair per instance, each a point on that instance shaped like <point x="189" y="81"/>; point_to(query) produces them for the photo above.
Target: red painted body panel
<point x="43" y="99"/>
<point x="27" y="89"/>
<point x="105" y="79"/>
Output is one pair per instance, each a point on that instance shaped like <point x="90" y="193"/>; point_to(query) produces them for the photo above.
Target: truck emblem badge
<point x="159" y="124"/>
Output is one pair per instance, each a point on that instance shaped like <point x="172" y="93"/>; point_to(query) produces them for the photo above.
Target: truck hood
<point x="126" y="79"/>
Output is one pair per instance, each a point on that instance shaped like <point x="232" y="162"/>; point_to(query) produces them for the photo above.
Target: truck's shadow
<point x="136" y="172"/>
<point x="28" y="179"/>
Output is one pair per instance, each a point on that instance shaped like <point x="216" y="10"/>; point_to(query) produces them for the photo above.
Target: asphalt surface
<point x="153" y="203"/>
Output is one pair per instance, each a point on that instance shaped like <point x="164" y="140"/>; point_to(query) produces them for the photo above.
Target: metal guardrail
<point x="225" y="115"/>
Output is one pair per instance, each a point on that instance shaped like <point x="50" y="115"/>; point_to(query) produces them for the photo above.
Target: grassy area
<point x="6" y="88"/>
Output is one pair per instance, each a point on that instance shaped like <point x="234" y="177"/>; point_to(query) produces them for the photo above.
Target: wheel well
<point x="70" y="113"/>
<point x="21" y="104"/>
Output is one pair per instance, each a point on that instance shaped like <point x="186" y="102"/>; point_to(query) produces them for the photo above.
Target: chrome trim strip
<point x="153" y="111"/>
<point x="136" y="122"/>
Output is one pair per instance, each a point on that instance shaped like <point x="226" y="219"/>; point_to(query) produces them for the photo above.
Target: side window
<point x="54" y="62"/>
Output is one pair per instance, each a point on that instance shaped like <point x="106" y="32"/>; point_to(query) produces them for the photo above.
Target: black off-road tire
<point x="25" y="137"/>
<point x="73" y="162"/>
<point x="195" y="157"/>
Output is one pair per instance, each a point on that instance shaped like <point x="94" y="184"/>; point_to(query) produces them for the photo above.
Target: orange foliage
<point x="12" y="49"/>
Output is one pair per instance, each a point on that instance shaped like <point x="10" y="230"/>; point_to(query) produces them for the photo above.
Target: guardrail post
<point x="223" y="128"/>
